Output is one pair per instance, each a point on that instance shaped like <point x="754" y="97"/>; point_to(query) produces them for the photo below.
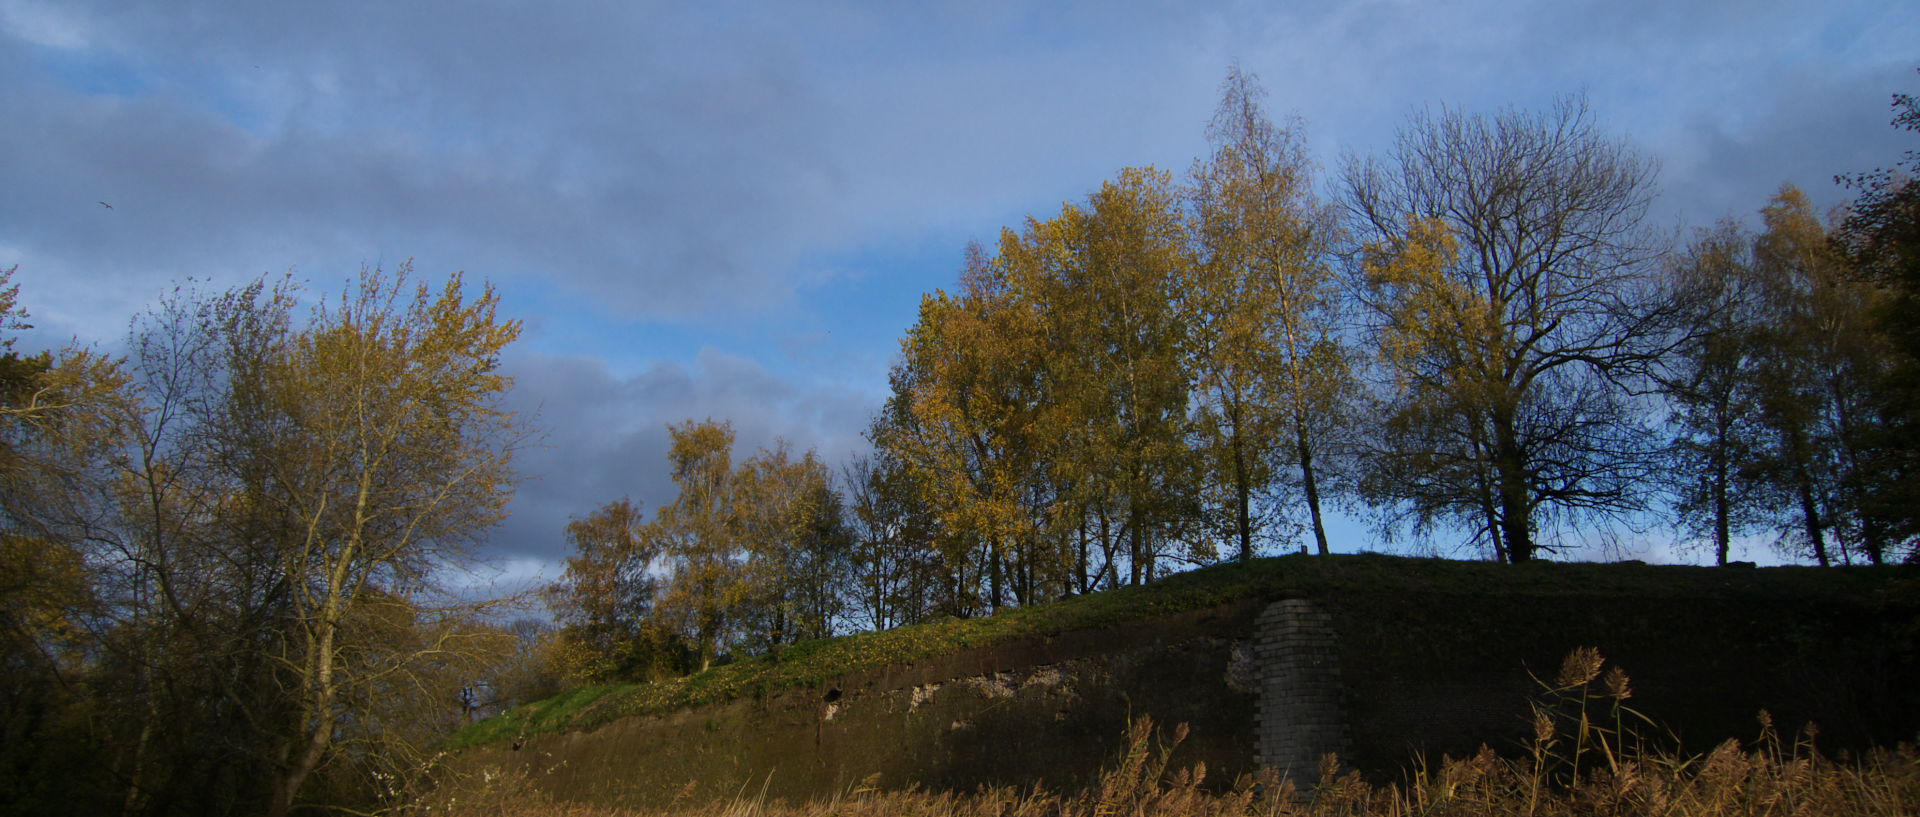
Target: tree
<point x="606" y="599"/>
<point x="1880" y="232"/>
<point x="48" y="745"/>
<point x="1106" y="282"/>
<point x="381" y="450"/>
<point x="62" y="416"/>
<point x="1820" y="372"/>
<point x="280" y="524"/>
<point x="525" y="673"/>
<point x="1510" y="284"/>
<point x="700" y="539"/>
<point x="1264" y="300"/>
<point x="1711" y="383"/>
<point x="967" y="426"/>
<point x="756" y="554"/>
<point x="1880" y="237"/>
<point x="893" y="568"/>
<point x="790" y="518"/>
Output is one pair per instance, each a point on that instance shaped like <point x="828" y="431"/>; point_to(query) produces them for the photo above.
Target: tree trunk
<point x="1516" y="519"/>
<point x="1722" y="524"/>
<point x="1107" y="551"/>
<point x="1873" y="540"/>
<point x="993" y="573"/>
<point x="1810" y="514"/>
<point x="1023" y="575"/>
<point x="1722" y="474"/>
<point x="1134" y="567"/>
<point x="1491" y="512"/>
<point x="1082" y="560"/>
<point x="320" y="722"/>
<point x="1311" y="483"/>
<point x="137" y="774"/>
<point x="1243" y="491"/>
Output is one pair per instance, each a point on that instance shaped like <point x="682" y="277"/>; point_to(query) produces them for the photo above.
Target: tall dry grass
<point x="1591" y="754"/>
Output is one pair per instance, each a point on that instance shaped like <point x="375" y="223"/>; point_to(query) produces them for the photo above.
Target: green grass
<point x="813" y="663"/>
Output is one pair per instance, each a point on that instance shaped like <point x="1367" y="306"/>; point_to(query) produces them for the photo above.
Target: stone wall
<point x="1051" y="713"/>
<point x="1380" y="677"/>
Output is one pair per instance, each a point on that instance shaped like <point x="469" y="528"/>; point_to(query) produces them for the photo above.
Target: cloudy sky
<point x="731" y="210"/>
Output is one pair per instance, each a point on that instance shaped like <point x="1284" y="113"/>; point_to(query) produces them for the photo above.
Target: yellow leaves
<point x="1439" y="328"/>
<point x="972" y="377"/>
<point x="45" y="587"/>
<point x="72" y="401"/>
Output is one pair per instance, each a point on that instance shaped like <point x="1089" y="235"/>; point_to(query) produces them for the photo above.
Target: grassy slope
<point x="815" y="662"/>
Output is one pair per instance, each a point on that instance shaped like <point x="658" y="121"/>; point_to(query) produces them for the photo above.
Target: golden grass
<point x="1591" y="754"/>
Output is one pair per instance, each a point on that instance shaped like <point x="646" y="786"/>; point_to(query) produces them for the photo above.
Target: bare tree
<point x="1509" y="276"/>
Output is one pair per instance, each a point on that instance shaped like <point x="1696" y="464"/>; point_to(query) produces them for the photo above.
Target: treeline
<point x="1477" y="334"/>
<point x="747" y="558"/>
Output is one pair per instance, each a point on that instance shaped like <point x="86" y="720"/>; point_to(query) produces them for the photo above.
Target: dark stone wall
<point x="1381" y="678"/>
<point x="1444" y="674"/>
<point x="1049" y="713"/>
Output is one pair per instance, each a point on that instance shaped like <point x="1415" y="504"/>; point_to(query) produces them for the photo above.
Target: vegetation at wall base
<point x="1738" y="781"/>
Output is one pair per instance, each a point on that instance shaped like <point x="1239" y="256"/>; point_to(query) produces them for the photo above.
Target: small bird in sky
<point x="106" y="205"/>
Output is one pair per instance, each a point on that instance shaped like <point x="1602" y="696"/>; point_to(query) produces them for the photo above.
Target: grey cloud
<point x="665" y="163"/>
<point x="606" y="156"/>
<point x="688" y="165"/>
<point x="1730" y="163"/>
<point x="604" y="435"/>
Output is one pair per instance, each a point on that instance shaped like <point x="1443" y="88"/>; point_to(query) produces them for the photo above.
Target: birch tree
<point x="1711" y="382"/>
<point x="1271" y="373"/>
<point x="967" y="423"/>
<point x="1107" y="281"/>
<point x="1822" y="366"/>
<point x="699" y="537"/>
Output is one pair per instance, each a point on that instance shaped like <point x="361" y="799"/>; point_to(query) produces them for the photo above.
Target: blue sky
<point x="731" y="210"/>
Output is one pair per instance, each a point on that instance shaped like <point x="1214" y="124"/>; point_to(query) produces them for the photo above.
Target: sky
<point x="731" y="210"/>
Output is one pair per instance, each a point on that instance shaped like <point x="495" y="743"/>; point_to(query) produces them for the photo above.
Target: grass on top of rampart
<point x="812" y="663"/>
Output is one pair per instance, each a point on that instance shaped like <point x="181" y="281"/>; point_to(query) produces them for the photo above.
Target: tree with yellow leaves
<point x="381" y="449"/>
<point x="966" y="424"/>
<point x="607" y="597"/>
<point x="1272" y="374"/>
<point x="62" y="415"/>
<point x="699" y="537"/>
<point x="1821" y="367"/>
<point x="292" y="497"/>
<point x="1126" y="363"/>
